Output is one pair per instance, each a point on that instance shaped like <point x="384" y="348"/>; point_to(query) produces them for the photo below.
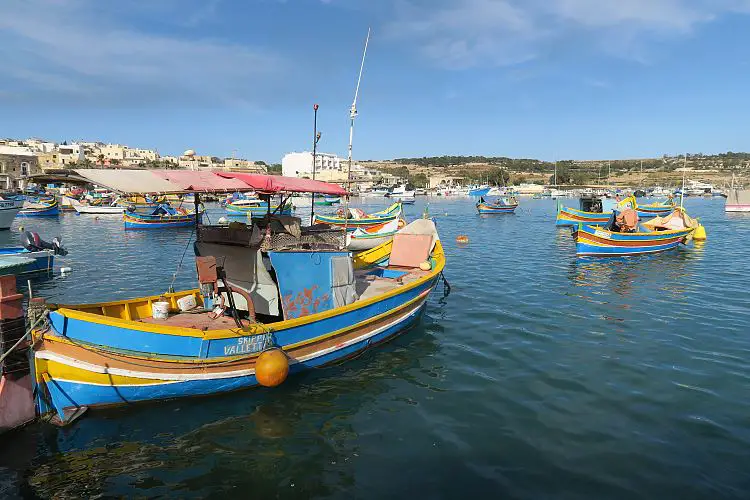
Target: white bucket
<point x="160" y="310"/>
<point x="186" y="303"/>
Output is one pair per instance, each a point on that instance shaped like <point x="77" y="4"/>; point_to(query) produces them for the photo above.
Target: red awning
<point x="207" y="181"/>
<point x="276" y="183"/>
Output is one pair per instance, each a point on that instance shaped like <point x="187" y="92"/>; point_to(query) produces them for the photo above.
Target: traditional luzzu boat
<point x="358" y="219"/>
<point x="499" y="206"/>
<point x="591" y="210"/>
<point x="140" y="203"/>
<point x="256" y="208"/>
<point x="268" y="304"/>
<point x="44" y="207"/>
<point x="656" y="209"/>
<point x="370" y="237"/>
<point x="162" y="217"/>
<point x="624" y="236"/>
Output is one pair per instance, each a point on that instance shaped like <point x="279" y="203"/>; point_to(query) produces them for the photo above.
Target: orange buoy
<point x="462" y="238"/>
<point x="271" y="368"/>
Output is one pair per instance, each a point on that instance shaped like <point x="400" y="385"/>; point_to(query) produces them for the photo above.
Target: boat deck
<point x="368" y="284"/>
<point x="196" y="320"/>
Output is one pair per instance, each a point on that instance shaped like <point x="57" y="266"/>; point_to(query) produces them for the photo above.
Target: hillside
<point x="667" y="170"/>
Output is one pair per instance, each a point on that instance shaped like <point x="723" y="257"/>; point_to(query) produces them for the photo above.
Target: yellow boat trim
<point x="69" y="312"/>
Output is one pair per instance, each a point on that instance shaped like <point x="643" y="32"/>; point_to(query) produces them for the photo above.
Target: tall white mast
<point x="353" y="110"/>
<point x="352" y="116"/>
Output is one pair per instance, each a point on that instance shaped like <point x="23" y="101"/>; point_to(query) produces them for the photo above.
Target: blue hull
<point x="53" y="212"/>
<point x="172" y="345"/>
<point x="66" y="395"/>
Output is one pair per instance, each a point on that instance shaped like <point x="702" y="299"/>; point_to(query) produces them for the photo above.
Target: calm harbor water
<point x="540" y="376"/>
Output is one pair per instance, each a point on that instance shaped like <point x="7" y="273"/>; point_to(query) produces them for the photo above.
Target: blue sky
<point x="550" y="79"/>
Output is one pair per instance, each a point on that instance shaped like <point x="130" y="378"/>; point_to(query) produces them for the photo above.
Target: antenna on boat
<point x="352" y="116"/>
<point x="316" y="138"/>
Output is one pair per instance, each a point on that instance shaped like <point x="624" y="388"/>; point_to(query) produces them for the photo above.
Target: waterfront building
<point x="16" y="163"/>
<point x="301" y="164"/>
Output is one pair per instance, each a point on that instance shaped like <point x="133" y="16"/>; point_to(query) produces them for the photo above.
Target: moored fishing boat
<point x="370" y="237"/>
<point x="624" y="236"/>
<point x="357" y="218"/>
<point x="591" y="210"/>
<point x="162" y="217"/>
<point x="499" y="206"/>
<point x="10" y="205"/>
<point x="117" y="353"/>
<point x="45" y="207"/>
<point x="656" y="209"/>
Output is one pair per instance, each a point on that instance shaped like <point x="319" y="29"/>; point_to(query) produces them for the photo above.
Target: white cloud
<point x="459" y="34"/>
<point x="60" y="48"/>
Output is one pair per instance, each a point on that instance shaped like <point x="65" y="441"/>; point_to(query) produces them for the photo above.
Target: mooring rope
<point x="23" y="337"/>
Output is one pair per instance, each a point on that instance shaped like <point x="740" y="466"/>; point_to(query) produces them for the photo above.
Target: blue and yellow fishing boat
<point x="246" y="325"/>
<point x="657" y="209"/>
<point x="499" y="206"/>
<point x="591" y="209"/>
<point x="162" y="217"/>
<point x="44" y="207"/>
<point x="358" y="219"/>
<point x="608" y="241"/>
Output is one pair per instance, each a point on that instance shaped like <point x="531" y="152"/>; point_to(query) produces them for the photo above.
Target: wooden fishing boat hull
<point x="139" y="221"/>
<point x="74" y="369"/>
<point x="365" y="239"/>
<point x="391" y="213"/>
<point x="595" y="241"/>
<point x="50" y="210"/>
<point x="572" y="217"/>
<point x="486" y="208"/>
<point x="376" y="256"/>
<point x="644" y="212"/>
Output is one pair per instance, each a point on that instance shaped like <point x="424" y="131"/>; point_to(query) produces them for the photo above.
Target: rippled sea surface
<point x="540" y="376"/>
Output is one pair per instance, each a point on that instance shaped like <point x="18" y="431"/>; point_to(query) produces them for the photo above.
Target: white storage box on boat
<point x="186" y="303"/>
<point x="160" y="310"/>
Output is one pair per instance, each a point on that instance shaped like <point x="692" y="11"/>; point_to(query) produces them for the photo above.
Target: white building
<point x="41" y="146"/>
<point x="300" y="164"/>
<point x="68" y="153"/>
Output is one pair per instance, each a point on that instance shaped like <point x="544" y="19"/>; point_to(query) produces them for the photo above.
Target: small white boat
<point x="367" y="238"/>
<point x="9" y="208"/>
<point x="96" y="209"/>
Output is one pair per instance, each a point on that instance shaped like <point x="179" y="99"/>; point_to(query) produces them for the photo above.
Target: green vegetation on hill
<point x="503" y="170"/>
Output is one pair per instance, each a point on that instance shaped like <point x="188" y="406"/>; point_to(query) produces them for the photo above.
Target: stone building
<point x="15" y="166"/>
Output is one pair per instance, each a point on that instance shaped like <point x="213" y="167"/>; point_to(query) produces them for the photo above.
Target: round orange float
<point x="272" y="368"/>
<point x="462" y="238"/>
